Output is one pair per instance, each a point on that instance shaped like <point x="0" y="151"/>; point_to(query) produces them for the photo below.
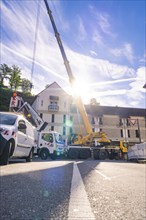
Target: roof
<point x="123" y="112"/>
<point x="50" y="85"/>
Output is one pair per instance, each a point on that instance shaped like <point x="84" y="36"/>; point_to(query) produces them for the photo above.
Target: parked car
<point x="16" y="137"/>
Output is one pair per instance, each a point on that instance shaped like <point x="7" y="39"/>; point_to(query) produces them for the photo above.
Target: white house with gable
<point x="53" y="105"/>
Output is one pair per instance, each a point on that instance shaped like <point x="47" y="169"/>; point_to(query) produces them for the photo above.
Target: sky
<point x="104" y="41"/>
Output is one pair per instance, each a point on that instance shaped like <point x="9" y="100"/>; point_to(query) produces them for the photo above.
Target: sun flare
<point x="82" y="89"/>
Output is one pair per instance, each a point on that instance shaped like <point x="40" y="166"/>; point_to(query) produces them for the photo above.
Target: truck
<point x="46" y="143"/>
<point x="92" y="144"/>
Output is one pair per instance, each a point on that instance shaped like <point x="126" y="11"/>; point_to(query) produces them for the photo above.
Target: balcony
<point x="53" y="107"/>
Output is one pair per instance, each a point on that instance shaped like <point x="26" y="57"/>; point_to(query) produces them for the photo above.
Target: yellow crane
<point x="95" y="142"/>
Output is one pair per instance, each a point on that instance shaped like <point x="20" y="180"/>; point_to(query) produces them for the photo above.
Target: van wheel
<point x="29" y="158"/>
<point x="4" y="158"/>
<point x="44" y="154"/>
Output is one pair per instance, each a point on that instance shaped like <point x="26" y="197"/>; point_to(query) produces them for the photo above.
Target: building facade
<point x="57" y="108"/>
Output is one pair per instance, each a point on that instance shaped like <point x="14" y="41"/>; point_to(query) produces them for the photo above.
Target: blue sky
<point x="104" y="42"/>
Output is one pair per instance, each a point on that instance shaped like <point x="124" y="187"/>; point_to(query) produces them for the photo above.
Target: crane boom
<point x="78" y="100"/>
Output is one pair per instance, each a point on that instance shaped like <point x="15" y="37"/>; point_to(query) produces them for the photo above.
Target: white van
<point x="16" y="137"/>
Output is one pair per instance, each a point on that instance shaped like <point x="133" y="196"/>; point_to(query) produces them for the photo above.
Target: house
<point x="53" y="105"/>
<point x="57" y="108"/>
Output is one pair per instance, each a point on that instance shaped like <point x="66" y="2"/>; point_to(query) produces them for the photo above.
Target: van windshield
<point x="7" y="119"/>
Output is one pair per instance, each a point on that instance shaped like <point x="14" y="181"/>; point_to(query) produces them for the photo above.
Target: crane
<point x="79" y="103"/>
<point x="88" y="128"/>
<point x="96" y="142"/>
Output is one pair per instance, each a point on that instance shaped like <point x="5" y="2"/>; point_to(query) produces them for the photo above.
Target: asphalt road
<point x="84" y="190"/>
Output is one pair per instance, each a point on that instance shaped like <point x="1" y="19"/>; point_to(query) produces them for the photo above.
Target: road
<point x="84" y="190"/>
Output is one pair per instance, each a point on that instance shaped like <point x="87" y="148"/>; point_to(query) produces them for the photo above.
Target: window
<point x="100" y="121"/>
<point x="22" y="126"/>
<point x="47" y="137"/>
<point x="120" y="122"/>
<point x="58" y="138"/>
<point x="137" y="133"/>
<point x="71" y="130"/>
<point x="42" y="102"/>
<point x="7" y="119"/>
<point x="129" y="133"/>
<point x="93" y="121"/>
<point x="52" y="128"/>
<point x="121" y="132"/>
<point x="41" y="115"/>
<point x="71" y="118"/>
<point x="53" y="103"/>
<point x="55" y="98"/>
<point x="64" y="130"/>
<point x="64" y="119"/>
<point x="127" y="122"/>
<point x="53" y="118"/>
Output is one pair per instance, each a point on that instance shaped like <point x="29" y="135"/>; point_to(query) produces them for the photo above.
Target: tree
<point x="15" y="77"/>
<point x="93" y="101"/>
<point x="26" y="85"/>
<point x="4" y="73"/>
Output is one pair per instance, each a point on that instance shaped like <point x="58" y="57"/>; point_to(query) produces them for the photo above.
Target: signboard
<point x="132" y="121"/>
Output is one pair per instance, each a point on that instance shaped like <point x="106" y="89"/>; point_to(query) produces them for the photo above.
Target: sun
<point x="81" y="88"/>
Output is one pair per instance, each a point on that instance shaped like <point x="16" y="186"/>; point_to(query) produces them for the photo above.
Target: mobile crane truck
<point x="95" y="144"/>
<point x="47" y="143"/>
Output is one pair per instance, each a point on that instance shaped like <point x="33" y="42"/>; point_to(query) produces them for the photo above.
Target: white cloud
<point x="97" y="38"/>
<point x="49" y="65"/>
<point x="140" y="79"/>
<point x="82" y="34"/>
<point x="103" y="20"/>
<point x="126" y="51"/>
<point x="93" y="53"/>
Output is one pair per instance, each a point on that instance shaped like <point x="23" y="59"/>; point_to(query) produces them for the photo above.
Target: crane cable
<point x="35" y="42"/>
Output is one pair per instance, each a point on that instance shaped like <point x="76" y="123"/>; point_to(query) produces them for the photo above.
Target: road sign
<point x="132" y="121"/>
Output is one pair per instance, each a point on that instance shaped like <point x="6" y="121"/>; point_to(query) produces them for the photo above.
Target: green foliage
<point x="25" y="85"/>
<point x="4" y="73"/>
<point x="13" y="74"/>
<point x="6" y="94"/>
<point x="15" y="77"/>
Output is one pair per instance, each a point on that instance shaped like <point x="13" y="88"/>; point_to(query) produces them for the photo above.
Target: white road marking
<point x="79" y="205"/>
<point x="104" y="176"/>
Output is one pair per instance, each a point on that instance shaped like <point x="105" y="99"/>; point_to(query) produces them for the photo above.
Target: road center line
<point x="79" y="205"/>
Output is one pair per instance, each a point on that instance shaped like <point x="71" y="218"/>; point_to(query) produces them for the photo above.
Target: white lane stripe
<point x="79" y="205"/>
<point x="104" y="176"/>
